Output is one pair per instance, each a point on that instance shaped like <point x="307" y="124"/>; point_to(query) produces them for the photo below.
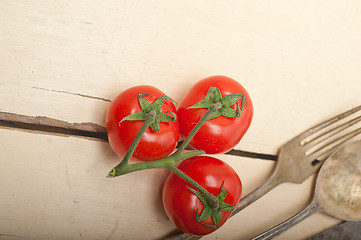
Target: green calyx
<point x="214" y="99"/>
<point x="212" y="209"/>
<point x="151" y="109"/>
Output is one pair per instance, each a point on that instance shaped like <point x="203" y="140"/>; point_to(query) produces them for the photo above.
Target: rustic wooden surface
<point x="62" y="62"/>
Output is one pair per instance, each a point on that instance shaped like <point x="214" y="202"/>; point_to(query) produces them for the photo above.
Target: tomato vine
<point x="216" y="105"/>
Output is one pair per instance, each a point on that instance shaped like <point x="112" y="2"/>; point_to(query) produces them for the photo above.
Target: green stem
<point x="122" y="169"/>
<point x="205" y="117"/>
<point x="213" y="201"/>
<point x="123" y="165"/>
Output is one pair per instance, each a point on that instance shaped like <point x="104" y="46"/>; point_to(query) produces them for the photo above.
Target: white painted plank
<point x="299" y="60"/>
<point x="54" y="187"/>
<point x="67" y="59"/>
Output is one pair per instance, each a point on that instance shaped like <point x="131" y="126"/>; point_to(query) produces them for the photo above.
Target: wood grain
<point x="63" y="62"/>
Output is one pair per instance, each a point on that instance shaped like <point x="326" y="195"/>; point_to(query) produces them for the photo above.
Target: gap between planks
<point x="45" y="125"/>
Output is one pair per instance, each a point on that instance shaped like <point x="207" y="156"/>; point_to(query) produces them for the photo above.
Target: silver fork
<point x="301" y="157"/>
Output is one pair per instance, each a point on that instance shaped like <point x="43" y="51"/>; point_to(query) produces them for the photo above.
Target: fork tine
<point x="328" y="122"/>
<point x="325" y="151"/>
<point x="309" y="144"/>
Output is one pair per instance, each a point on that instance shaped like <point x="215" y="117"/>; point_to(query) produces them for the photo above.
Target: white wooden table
<point x="62" y="62"/>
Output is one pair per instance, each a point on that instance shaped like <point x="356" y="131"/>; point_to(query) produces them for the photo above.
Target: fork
<point x="301" y="157"/>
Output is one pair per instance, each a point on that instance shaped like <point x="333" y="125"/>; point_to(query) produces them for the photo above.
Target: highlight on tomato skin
<point x="181" y="204"/>
<point x="153" y="144"/>
<point x="221" y="134"/>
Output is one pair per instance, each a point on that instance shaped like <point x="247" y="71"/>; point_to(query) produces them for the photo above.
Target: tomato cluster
<point x="201" y="191"/>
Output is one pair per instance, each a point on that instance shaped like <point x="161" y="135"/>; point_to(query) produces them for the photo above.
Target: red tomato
<point x="220" y="134"/>
<point x="181" y="204"/>
<point x="153" y="144"/>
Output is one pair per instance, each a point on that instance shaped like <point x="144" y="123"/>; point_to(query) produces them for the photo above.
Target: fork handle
<point x="274" y="180"/>
<point x="313" y="207"/>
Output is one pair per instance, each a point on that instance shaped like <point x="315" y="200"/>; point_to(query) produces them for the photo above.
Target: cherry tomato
<point x="220" y="134"/>
<point x="153" y="144"/>
<point x="181" y="204"/>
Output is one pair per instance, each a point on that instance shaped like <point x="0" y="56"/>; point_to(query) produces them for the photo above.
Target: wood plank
<point x="55" y="188"/>
<point x="67" y="60"/>
<point x="62" y="63"/>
